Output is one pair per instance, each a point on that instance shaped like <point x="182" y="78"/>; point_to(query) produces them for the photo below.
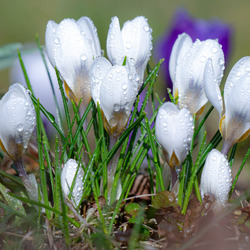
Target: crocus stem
<point x="20" y="168"/>
<point x="111" y="168"/>
<point x="226" y="147"/>
<point x="85" y="126"/>
<point x="174" y="176"/>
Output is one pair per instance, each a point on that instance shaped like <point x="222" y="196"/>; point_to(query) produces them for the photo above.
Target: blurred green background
<point x="22" y="19"/>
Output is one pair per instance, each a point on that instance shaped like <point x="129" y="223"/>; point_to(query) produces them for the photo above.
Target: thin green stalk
<point x="155" y="155"/>
<point x="104" y="153"/>
<point x="239" y="171"/>
<point x="98" y="204"/>
<point x="232" y="155"/>
<point x="66" y="109"/>
<point x="59" y="116"/>
<point x="193" y="178"/>
<point x="41" y="160"/>
<point x="124" y="190"/>
<point x="24" y="72"/>
<point x="136" y="230"/>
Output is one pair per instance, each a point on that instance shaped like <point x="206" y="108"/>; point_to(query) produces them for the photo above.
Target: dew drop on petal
<point x="124" y="86"/>
<point x="214" y="50"/>
<point x="84" y="58"/>
<point x="128" y="45"/>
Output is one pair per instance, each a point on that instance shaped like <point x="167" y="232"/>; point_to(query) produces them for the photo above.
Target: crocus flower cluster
<point x="73" y="48"/>
<point x="196" y="69"/>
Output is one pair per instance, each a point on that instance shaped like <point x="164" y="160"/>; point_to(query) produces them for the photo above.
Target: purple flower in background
<point x="195" y="28"/>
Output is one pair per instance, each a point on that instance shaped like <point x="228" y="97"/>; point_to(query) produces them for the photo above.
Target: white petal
<point x="137" y="40"/>
<point x="115" y="48"/>
<point x="70" y="172"/>
<point x="216" y="177"/>
<point x="241" y="68"/>
<point x="237" y="110"/>
<point x="17" y="120"/>
<point x="89" y="30"/>
<point x="174" y="130"/>
<point x="117" y="94"/>
<point x="51" y="41"/>
<point x="99" y="69"/>
<point x="181" y="46"/>
<point x="211" y="87"/>
<point x="74" y="58"/>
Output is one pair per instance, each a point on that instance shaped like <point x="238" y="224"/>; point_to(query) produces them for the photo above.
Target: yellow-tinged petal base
<point x="69" y="92"/>
<point x="116" y="124"/>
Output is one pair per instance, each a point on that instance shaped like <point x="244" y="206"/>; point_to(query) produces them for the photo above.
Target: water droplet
<point x="57" y="41"/>
<point x="146" y="28"/>
<point x="135" y="29"/>
<point x="128" y="45"/>
<point x="238" y="74"/>
<point x="84" y="58"/>
<point x="214" y="50"/>
<point x="113" y="121"/>
<point x="221" y="61"/>
<point x="124" y="86"/>
<point x="116" y="107"/>
<point x="20" y="127"/>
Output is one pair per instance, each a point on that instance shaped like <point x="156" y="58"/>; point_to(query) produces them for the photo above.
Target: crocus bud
<point x="235" y="124"/>
<point x="216" y="177"/>
<point x="133" y="41"/>
<point x="72" y="46"/>
<point x="115" y="89"/>
<point x="187" y="66"/>
<point x="72" y="171"/>
<point x="17" y="121"/>
<point x="174" y="131"/>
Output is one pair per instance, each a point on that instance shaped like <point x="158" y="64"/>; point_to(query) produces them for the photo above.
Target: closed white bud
<point x="114" y="88"/>
<point x="17" y="121"/>
<point x="72" y="171"/>
<point x="216" y="179"/>
<point x="174" y="131"/>
<point x="72" y="46"/>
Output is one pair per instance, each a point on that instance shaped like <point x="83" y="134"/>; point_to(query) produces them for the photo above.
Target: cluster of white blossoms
<point x="73" y="47"/>
<point x="196" y="70"/>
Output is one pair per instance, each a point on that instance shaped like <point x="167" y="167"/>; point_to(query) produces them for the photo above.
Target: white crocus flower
<point x="235" y="124"/>
<point x="216" y="179"/>
<point x="187" y="65"/>
<point x="134" y="41"/>
<point x="72" y="173"/>
<point x="114" y="88"/>
<point x="174" y="131"/>
<point x="17" y="121"/>
<point x="72" y="46"/>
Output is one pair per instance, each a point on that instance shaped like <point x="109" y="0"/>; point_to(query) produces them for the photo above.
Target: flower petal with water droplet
<point x="72" y="171"/>
<point x="174" y="131"/>
<point x="216" y="179"/>
<point x="17" y="120"/>
<point x="211" y="87"/>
